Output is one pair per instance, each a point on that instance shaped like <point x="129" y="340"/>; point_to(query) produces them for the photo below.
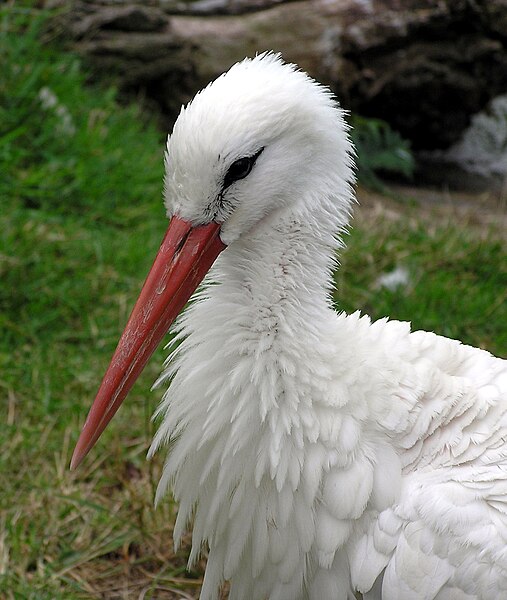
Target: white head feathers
<point x="268" y="111"/>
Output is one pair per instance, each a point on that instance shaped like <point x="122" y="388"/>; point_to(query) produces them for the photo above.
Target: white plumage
<point x="316" y="454"/>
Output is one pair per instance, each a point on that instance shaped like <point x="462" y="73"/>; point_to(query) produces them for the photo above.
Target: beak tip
<point x="77" y="456"/>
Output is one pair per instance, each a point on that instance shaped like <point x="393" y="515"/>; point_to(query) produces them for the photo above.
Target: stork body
<point x="382" y="449"/>
<point x="316" y="454"/>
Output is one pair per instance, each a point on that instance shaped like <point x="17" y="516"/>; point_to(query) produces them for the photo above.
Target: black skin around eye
<point x="240" y="169"/>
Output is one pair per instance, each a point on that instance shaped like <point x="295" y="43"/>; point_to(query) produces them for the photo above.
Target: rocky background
<point x="424" y="66"/>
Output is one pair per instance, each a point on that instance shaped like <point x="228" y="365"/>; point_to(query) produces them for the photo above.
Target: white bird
<point x="317" y="454"/>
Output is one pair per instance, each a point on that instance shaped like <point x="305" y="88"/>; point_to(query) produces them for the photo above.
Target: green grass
<point x="457" y="274"/>
<point x="80" y="222"/>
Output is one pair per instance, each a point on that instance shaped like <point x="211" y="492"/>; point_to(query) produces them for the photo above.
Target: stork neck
<point x="284" y="265"/>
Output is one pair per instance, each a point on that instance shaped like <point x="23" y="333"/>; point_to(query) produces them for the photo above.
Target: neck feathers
<point x="285" y="264"/>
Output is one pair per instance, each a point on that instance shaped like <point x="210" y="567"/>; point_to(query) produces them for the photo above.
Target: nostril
<point x="181" y="243"/>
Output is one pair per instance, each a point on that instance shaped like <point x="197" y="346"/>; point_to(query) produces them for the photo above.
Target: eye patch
<point x="240" y="168"/>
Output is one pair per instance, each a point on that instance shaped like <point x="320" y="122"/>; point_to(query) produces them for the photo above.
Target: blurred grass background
<point x="81" y="218"/>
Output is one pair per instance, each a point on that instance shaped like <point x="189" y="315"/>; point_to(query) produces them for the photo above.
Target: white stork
<point x="317" y="454"/>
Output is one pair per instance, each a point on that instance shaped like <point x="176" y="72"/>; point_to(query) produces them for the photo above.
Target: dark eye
<point x="240" y="168"/>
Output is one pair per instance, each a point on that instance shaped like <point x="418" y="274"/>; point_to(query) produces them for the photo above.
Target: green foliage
<point x="73" y="164"/>
<point x="81" y="215"/>
<point x="379" y="150"/>
<point x="63" y="147"/>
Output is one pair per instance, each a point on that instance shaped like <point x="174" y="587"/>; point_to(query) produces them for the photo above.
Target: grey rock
<point x="425" y="66"/>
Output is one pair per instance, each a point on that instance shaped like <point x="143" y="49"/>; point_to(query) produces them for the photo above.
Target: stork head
<point x="261" y="138"/>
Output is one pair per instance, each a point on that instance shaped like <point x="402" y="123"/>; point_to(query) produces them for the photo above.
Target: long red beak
<point x="185" y="256"/>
